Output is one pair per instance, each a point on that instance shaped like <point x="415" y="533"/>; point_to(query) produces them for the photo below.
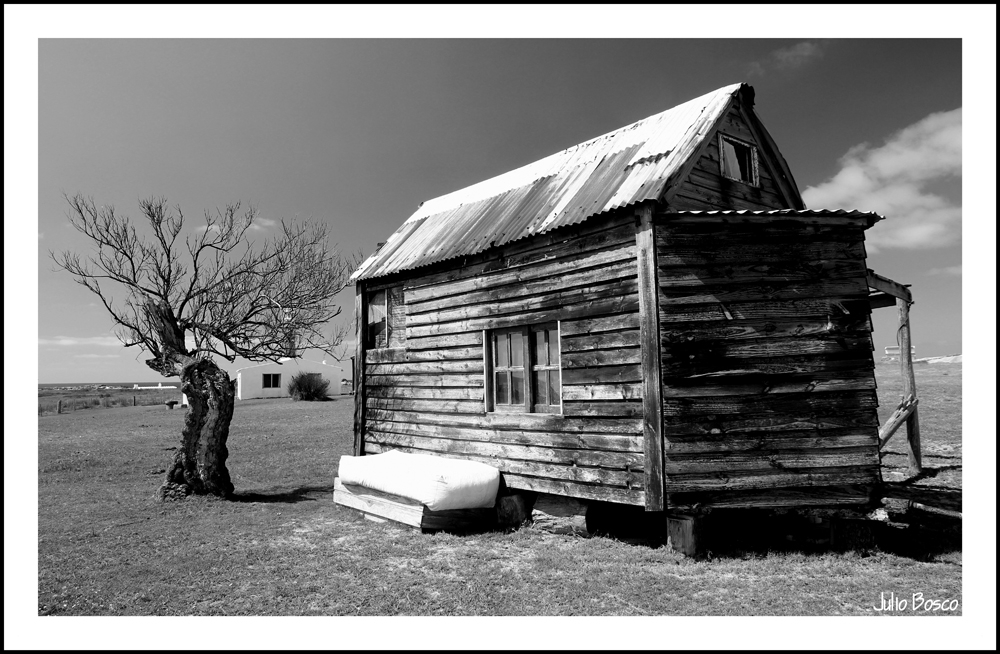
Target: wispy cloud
<point x="892" y="180"/>
<point x="261" y="224"/>
<point x="205" y="228"/>
<point x="787" y="58"/>
<point x="955" y="271"/>
<point x="77" y="341"/>
<point x="95" y="356"/>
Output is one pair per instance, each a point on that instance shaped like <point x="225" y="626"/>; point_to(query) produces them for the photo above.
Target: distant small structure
<point x="159" y="386"/>
<point x="892" y="352"/>
<point x="271" y="379"/>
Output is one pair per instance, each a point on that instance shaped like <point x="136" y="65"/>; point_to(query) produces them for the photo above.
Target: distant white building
<point x="271" y="379"/>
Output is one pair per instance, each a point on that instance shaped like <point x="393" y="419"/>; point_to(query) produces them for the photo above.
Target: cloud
<point x="788" y="58"/>
<point x="260" y="224"/>
<point x="95" y="356"/>
<point x="891" y="180"/>
<point x="204" y="228"/>
<point x="955" y="271"/>
<point x="76" y="341"/>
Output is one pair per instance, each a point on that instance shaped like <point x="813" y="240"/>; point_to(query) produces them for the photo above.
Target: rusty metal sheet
<point x="623" y="167"/>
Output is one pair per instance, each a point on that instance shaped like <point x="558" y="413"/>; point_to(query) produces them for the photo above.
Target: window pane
<point x="376" y="307"/>
<point x="517" y="387"/>
<point x="553" y="347"/>
<point x="730" y="167"/>
<point x="554" y="387"/>
<point x="501" y="387"/>
<point x="746" y="164"/>
<point x="540" y="384"/>
<point x="500" y="345"/>
<point x="538" y="347"/>
<point x="516" y="350"/>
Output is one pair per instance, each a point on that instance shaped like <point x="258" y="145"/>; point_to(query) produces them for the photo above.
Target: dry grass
<point x="106" y="547"/>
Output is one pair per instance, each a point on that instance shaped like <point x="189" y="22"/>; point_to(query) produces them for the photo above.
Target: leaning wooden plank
<point x="886" y="285"/>
<point x="408" y="511"/>
<point x="896" y="420"/>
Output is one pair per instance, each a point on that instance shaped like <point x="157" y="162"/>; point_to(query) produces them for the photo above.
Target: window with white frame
<point x="271" y="380"/>
<point x="738" y="160"/>
<point x="523" y="374"/>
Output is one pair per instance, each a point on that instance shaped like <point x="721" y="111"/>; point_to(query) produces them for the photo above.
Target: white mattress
<point x="436" y="482"/>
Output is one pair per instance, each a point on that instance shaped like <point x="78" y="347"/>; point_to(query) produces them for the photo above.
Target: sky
<point x="357" y="133"/>
<point x="865" y="103"/>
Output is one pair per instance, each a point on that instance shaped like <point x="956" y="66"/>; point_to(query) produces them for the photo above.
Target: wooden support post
<point x="360" y="313"/>
<point x="896" y="420"/>
<point x="909" y="386"/>
<point x="649" y="338"/>
<point x="59" y="406"/>
<point x="682" y="534"/>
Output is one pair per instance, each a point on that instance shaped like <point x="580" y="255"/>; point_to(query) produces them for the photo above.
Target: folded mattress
<point x="438" y="483"/>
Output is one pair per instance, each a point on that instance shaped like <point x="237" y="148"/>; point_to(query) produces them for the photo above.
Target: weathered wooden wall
<point x="768" y="379"/>
<point x="706" y="189"/>
<point x="429" y="395"/>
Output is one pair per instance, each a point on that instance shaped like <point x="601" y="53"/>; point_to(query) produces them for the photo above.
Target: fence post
<point x="133" y="400"/>
<point x="59" y="406"/>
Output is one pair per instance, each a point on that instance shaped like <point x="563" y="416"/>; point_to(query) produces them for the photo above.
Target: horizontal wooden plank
<point x="601" y="375"/>
<point x="589" y="392"/>
<point x="587" y="359"/>
<point x="612" y="442"/>
<point x="769" y="387"/>
<point x="631" y="409"/>
<point x="725" y="426"/>
<point x="672" y="230"/>
<point x="439" y="406"/>
<point x="768" y="310"/>
<point x="847" y="221"/>
<point x="586" y="325"/>
<point x="596" y="233"/>
<point x="618" y="495"/>
<point x="426" y="367"/>
<point x="429" y="380"/>
<point x="403" y="355"/>
<point x="687" y="255"/>
<point x="692" y="444"/>
<point x="676" y="277"/>
<point x="598" y="341"/>
<point x="533" y="422"/>
<point x="520" y="305"/>
<point x="792" y="346"/>
<point x="466" y="339"/>
<point x="792" y="403"/>
<point x="733" y="330"/>
<point x="675" y="370"/>
<point x="770" y="292"/>
<point x="768" y="460"/>
<point x="627" y="303"/>
<point x="510" y="451"/>
<point x="681" y="483"/>
<point x="774" y="498"/>
<point x="692" y="197"/>
<point x="441" y="393"/>
<point x="530" y="468"/>
<point x="520" y="280"/>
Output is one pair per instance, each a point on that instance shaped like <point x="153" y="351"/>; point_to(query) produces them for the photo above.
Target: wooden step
<point x="384" y="506"/>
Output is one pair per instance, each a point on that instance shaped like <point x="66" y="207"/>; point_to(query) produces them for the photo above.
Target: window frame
<point x="754" y="159"/>
<point x="528" y="367"/>
<point x="268" y="379"/>
<point x="393" y="335"/>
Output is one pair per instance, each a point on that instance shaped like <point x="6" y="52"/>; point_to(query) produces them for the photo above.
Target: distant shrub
<point x="308" y="386"/>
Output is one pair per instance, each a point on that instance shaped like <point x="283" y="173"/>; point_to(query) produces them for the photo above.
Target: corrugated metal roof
<point x="626" y="166"/>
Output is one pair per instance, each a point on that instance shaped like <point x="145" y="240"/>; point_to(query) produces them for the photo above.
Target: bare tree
<point x="215" y="294"/>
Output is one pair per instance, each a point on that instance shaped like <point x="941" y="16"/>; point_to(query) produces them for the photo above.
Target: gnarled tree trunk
<point x="199" y="465"/>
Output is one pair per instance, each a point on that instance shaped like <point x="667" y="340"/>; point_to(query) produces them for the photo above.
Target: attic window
<point x="738" y="160"/>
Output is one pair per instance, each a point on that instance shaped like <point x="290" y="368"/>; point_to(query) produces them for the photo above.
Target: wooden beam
<point x="886" y="285"/>
<point x="879" y="300"/>
<point x="360" y="310"/>
<point x="909" y="386"/>
<point x="896" y="420"/>
<point x="649" y="338"/>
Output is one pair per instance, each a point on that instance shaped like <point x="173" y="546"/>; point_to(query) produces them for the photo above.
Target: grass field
<point x="106" y="547"/>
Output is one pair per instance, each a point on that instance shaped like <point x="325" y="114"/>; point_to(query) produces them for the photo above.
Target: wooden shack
<point x="650" y="318"/>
